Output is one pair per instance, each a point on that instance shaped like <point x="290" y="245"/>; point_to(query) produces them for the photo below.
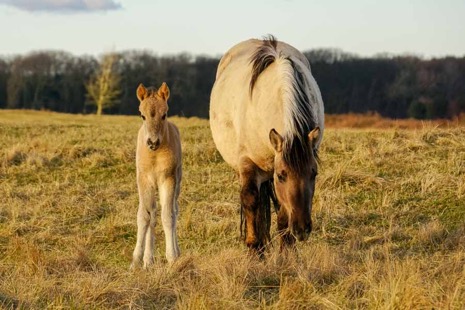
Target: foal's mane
<point x="152" y="91"/>
<point x="298" y="115"/>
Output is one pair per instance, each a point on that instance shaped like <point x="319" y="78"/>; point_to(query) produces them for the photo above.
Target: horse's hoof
<point x="133" y="266"/>
<point x="257" y="250"/>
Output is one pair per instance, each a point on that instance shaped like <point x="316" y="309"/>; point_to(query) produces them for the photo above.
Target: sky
<point x="426" y="28"/>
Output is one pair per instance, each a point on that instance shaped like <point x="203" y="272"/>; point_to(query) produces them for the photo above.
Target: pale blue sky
<point x="428" y="28"/>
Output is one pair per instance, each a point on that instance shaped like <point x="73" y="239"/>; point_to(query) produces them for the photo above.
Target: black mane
<point x="262" y="58"/>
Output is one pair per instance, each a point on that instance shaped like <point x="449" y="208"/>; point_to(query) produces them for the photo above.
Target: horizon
<point x="380" y="55"/>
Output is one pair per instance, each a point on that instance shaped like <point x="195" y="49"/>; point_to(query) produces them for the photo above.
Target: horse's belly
<point x="223" y="130"/>
<point x="236" y="142"/>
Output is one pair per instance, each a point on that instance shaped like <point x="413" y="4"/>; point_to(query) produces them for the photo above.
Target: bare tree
<point x="103" y="87"/>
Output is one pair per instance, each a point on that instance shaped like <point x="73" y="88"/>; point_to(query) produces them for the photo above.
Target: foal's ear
<point x="276" y="140"/>
<point x="314" y="135"/>
<point x="141" y="92"/>
<point x="164" y="91"/>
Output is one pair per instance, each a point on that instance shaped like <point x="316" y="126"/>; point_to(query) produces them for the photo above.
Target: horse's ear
<point x="276" y="140"/>
<point x="164" y="91"/>
<point x="141" y="92"/>
<point x="314" y="135"/>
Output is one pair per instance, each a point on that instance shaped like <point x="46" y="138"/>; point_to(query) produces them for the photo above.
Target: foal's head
<point x="295" y="170"/>
<point x="153" y="109"/>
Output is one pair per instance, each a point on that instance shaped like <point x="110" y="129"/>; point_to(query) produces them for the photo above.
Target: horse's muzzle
<point x="153" y="145"/>
<point x="302" y="234"/>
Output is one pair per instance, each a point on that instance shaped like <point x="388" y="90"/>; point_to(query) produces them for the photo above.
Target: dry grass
<point x="389" y="218"/>
<point x="374" y="120"/>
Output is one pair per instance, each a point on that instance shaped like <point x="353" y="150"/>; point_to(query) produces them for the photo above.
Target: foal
<point x="158" y="161"/>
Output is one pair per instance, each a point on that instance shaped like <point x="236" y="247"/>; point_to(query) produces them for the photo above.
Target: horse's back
<point x="239" y="55"/>
<point x="241" y="118"/>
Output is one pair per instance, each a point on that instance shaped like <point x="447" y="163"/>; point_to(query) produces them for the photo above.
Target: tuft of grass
<point x="388" y="214"/>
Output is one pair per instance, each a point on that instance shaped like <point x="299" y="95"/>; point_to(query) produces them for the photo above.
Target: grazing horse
<point x="267" y="121"/>
<point x="159" y="166"/>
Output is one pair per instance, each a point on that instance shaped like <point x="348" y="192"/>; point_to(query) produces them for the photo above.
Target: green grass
<point x="389" y="222"/>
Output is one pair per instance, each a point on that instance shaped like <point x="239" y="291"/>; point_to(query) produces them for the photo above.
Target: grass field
<point x="389" y="222"/>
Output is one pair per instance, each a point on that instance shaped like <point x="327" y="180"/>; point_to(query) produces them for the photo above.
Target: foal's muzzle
<point x="153" y="145"/>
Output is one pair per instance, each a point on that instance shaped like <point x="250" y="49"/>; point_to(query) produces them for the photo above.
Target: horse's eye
<point x="314" y="173"/>
<point x="281" y="178"/>
<point x="143" y="117"/>
<point x="163" y="117"/>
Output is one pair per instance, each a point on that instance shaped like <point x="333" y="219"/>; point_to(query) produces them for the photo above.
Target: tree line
<point x="393" y="86"/>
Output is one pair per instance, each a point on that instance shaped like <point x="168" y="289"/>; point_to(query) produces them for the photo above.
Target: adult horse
<point x="267" y="121"/>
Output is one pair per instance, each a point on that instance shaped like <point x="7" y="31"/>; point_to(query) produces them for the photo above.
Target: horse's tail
<point x="263" y="218"/>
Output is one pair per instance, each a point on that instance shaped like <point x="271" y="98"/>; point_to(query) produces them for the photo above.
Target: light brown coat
<point x="159" y="168"/>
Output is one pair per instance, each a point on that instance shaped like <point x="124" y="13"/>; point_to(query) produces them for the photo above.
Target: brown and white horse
<point x="159" y="167"/>
<point x="267" y="121"/>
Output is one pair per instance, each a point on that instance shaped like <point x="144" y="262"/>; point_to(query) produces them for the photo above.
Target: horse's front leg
<point x="145" y="226"/>
<point x="256" y="234"/>
<point x="169" y="214"/>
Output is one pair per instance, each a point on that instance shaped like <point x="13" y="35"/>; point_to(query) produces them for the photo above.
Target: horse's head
<point x="153" y="110"/>
<point x="295" y="184"/>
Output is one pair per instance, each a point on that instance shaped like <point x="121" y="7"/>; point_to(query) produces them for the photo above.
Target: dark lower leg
<point x="257" y="234"/>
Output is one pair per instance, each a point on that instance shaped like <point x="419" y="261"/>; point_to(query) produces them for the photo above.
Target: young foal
<point x="158" y="161"/>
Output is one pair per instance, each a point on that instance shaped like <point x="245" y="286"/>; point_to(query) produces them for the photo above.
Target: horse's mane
<point x="299" y="119"/>
<point x="152" y="91"/>
<point x="264" y="56"/>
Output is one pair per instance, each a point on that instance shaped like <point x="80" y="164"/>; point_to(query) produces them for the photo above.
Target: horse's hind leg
<point x="177" y="251"/>
<point x="169" y="213"/>
<point x="176" y="210"/>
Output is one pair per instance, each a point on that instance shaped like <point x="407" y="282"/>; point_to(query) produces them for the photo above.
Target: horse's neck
<point x="168" y="134"/>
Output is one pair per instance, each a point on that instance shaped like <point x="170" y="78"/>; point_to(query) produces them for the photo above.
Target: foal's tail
<point x="267" y="194"/>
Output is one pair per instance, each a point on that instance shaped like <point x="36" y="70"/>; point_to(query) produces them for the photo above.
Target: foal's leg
<point x="169" y="213"/>
<point x="150" y="233"/>
<point x="145" y="226"/>
<point x="176" y="209"/>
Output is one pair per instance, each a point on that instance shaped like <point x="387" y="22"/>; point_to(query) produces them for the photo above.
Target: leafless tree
<point x="103" y="88"/>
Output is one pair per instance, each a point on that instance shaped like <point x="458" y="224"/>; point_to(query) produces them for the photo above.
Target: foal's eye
<point x="163" y="117"/>
<point x="143" y="117"/>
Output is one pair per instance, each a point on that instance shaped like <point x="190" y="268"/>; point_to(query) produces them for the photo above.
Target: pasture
<point x="388" y="215"/>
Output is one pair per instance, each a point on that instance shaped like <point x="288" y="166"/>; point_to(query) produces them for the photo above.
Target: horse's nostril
<point x="308" y="228"/>
<point x="153" y="145"/>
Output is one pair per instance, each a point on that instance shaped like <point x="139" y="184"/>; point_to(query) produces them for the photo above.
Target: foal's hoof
<point x="171" y="257"/>
<point x="134" y="266"/>
<point x="148" y="263"/>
